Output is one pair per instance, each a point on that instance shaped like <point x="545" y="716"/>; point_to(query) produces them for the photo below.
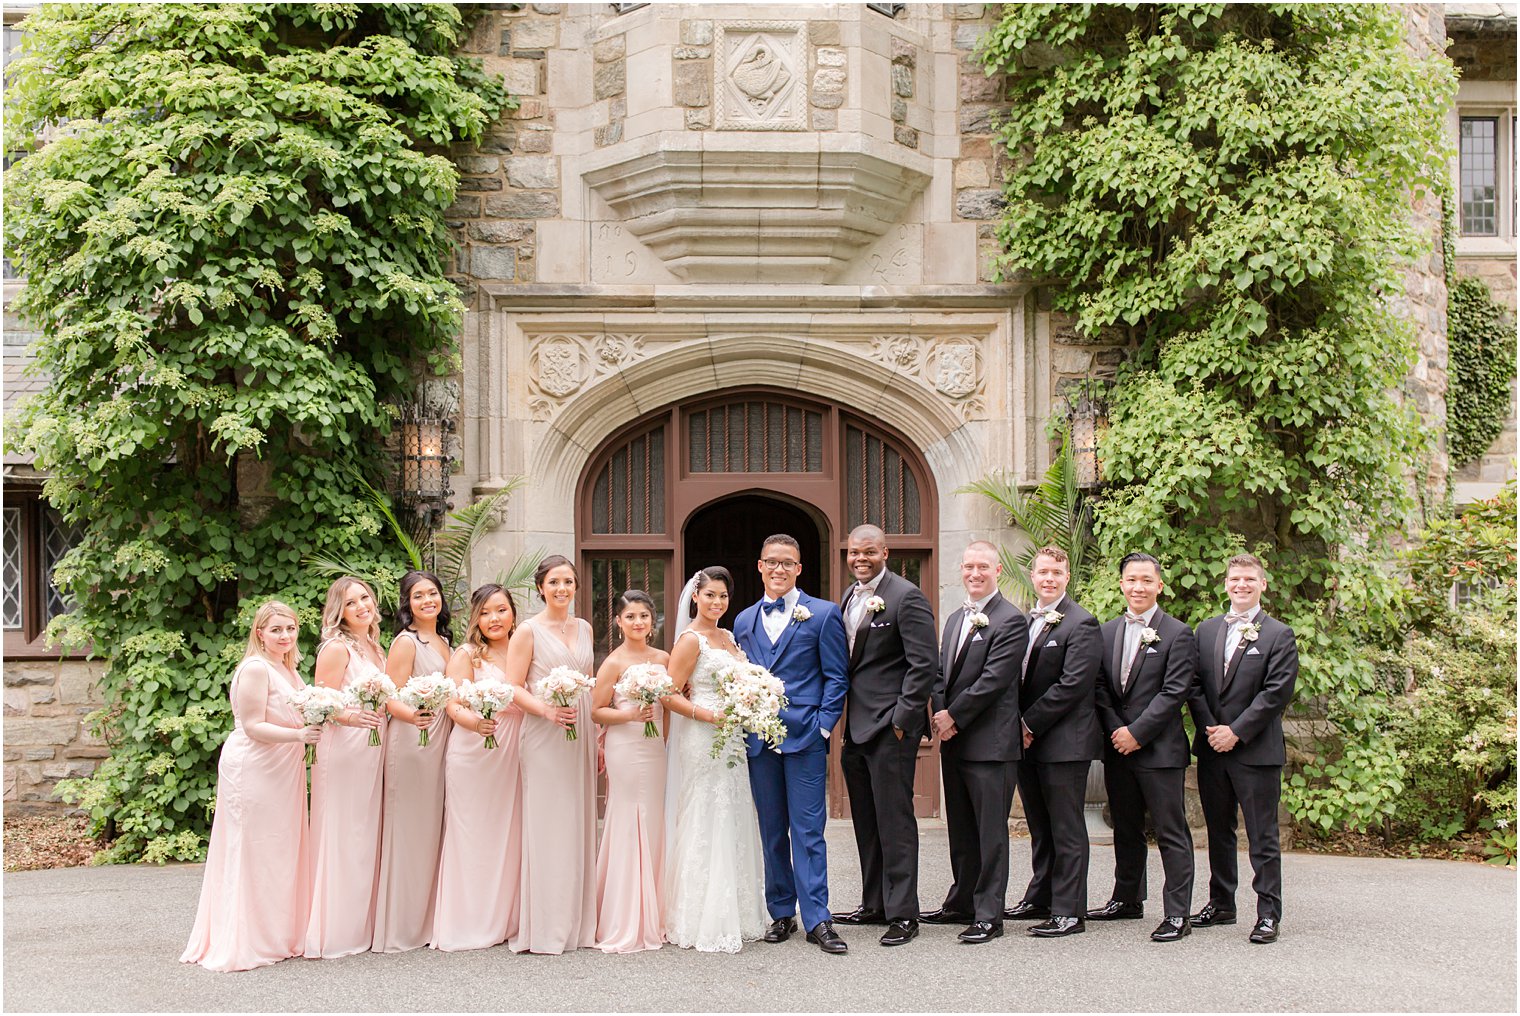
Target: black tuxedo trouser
<point x="879" y="777"/>
<point x="1132" y="791"/>
<point x="1224" y="784"/>
<point x="1053" y="794"/>
<point x="978" y="796"/>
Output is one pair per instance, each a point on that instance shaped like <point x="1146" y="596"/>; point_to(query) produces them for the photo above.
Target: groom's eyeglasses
<point x="776" y="564"/>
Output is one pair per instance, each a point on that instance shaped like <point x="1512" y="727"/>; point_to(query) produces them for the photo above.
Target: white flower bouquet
<point x="317" y="704"/>
<point x="372" y="693"/>
<point x="563" y="686"/>
<point x="646" y="684"/>
<point x="753" y="698"/>
<point x="487" y="698"/>
<point x="426" y="693"/>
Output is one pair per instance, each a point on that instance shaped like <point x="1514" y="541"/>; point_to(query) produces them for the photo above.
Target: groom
<point x="802" y="641"/>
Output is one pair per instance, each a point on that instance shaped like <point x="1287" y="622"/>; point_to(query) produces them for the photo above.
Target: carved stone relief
<point x="761" y="76"/>
<point x="559" y="365"/>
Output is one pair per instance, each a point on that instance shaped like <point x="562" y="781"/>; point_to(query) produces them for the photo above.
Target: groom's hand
<point x="944" y="725"/>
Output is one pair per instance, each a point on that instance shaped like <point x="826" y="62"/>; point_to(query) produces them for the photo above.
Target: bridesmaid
<point x="346" y="782"/>
<point x="255" y="894"/>
<point x="629" y="912"/>
<point x="411" y="825"/>
<point x="482" y="815"/>
<point x="558" y="776"/>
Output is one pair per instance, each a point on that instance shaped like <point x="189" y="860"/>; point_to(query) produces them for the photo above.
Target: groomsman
<point x="1149" y="663"/>
<point x="1061" y="738"/>
<point x="893" y="664"/>
<point x="976" y="715"/>
<point x="1248" y="666"/>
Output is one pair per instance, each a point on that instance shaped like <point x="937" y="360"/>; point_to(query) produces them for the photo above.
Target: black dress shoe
<point x="900" y="933"/>
<point x="943" y="916"/>
<point x="1211" y="915"/>
<point x="1113" y="910"/>
<point x="1022" y="911"/>
<point x="861" y="915"/>
<point x="825" y="938"/>
<point x="781" y="929"/>
<point x="981" y="931"/>
<point x="1058" y="926"/>
<point x="1171" y="929"/>
<point x="1265" y="931"/>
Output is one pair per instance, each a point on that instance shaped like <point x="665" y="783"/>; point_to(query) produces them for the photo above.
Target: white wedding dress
<point x="714" y="874"/>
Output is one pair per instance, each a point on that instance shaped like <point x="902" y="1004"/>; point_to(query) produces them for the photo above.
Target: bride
<point x="713" y="878"/>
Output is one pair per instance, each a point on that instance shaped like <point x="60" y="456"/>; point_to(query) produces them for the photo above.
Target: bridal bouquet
<point x="753" y="698"/>
<point x="426" y="693"/>
<point x="487" y="698"/>
<point x="563" y="686"/>
<point x="317" y="704"/>
<point x="372" y="693"/>
<point x="646" y="684"/>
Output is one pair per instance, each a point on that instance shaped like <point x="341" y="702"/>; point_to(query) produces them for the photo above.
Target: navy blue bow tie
<point x="772" y="606"/>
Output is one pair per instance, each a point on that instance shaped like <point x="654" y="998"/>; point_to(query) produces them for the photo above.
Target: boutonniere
<point x="801" y="613"/>
<point x="1149" y="637"/>
<point x="1250" y="632"/>
<point x="978" y="620"/>
<point x="876" y="605"/>
<point x="1053" y="618"/>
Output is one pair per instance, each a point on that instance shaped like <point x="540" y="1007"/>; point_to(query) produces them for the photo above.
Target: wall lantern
<point x="1087" y="421"/>
<point x="423" y="461"/>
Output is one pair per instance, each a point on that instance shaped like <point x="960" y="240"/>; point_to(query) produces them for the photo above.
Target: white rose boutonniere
<point x="978" y="620"/>
<point x="1250" y="632"/>
<point x="801" y="613"/>
<point x="1053" y="618"/>
<point x="876" y="605"/>
<point x="1149" y="637"/>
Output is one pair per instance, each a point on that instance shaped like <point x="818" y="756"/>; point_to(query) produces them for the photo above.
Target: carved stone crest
<point x="952" y="369"/>
<point x="558" y="366"/>
<point x="760" y="75"/>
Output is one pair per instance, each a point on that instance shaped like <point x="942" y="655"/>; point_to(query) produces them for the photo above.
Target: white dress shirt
<point x="776" y="621"/>
<point x="1036" y="629"/>
<point x="1232" y="636"/>
<point x="1132" y="642"/>
<point x="979" y="607"/>
<point x="863" y="592"/>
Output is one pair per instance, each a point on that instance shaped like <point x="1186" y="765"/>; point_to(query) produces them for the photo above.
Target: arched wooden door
<point x="704" y="482"/>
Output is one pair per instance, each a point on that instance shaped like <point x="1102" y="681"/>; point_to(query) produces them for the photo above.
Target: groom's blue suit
<point x="812" y="660"/>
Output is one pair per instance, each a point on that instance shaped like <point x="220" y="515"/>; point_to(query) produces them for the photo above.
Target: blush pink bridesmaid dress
<point x="630" y="911"/>
<point x="346" y="794"/>
<point x="411" y="825"/>
<point x="256" y="891"/>
<point x="558" y="895"/>
<point x="482" y="834"/>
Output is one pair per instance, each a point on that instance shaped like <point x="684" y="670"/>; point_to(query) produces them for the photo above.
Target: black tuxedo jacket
<point x="980" y="685"/>
<point x="1057" y="698"/>
<point x="894" y="664"/>
<point x="1151" y="706"/>
<point x="1250" y="695"/>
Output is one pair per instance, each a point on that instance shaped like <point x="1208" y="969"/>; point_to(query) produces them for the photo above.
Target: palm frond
<point x="406" y="539"/>
<point x="455" y="541"/>
<point x="518" y="576"/>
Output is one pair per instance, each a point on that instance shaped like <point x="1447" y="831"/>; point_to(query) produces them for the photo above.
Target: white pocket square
<point x="1048" y="644"/>
<point x="977" y="637"/>
<point x="1150" y="652"/>
<point x="1253" y="651"/>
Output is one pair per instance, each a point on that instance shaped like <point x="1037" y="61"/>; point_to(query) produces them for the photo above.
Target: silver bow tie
<point x="1040" y="611"/>
<point x="969" y="607"/>
<point x="1233" y="618"/>
<point x="1133" y="618"/>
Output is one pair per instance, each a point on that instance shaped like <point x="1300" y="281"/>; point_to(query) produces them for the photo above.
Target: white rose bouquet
<point x="563" y="686"/>
<point x="317" y="704"/>
<point x="426" y="693"/>
<point x="372" y="693"/>
<point x="646" y="684"/>
<point x="487" y="698"/>
<point x="753" y="698"/>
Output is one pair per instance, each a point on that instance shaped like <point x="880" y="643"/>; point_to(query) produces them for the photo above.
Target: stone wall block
<point x="522" y="77"/>
<point x="830" y="57"/>
<point x="479" y="184"/>
<point x="965" y="36"/>
<point x="609" y="50"/>
<point x="979" y="204"/>
<point x="500" y="232"/>
<point x="975" y="119"/>
<point x="697" y="32"/>
<point x="612" y="133"/>
<point x="904" y="52"/>
<point x="533" y="172"/>
<point x="526" y="205"/>
<point x="478" y="164"/>
<point x="824" y="33"/>
<point x="905" y="136"/>
<point x="828" y="88"/>
<point x="609" y="79"/>
<point x="17" y="702"/>
<point x="692" y="86"/>
<point x="972" y="173"/>
<point x="902" y="81"/>
<point x="535" y="34"/>
<point x="33" y="731"/>
<point x="30" y="673"/>
<point x="693" y="53"/>
<point x="493" y="262"/>
<point x="696" y="120"/>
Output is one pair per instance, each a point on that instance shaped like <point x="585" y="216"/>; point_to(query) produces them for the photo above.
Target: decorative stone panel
<point x="760" y="75"/>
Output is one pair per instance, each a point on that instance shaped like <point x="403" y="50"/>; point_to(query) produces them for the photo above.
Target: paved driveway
<point x="1359" y="934"/>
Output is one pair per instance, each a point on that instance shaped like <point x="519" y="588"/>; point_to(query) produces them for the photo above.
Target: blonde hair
<point x="270" y="610"/>
<point x="332" y="613"/>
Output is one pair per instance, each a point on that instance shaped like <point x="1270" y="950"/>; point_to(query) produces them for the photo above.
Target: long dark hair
<point x="705" y="577"/>
<point x="404" y="619"/>
<point x="472" y="636"/>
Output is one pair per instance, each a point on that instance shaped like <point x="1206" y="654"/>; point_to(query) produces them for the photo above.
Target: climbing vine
<point x="229" y="217"/>
<point x="1480" y="342"/>
<point x="1228" y="187"/>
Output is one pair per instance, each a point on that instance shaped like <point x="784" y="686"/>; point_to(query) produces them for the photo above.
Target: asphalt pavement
<point x="1358" y="934"/>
